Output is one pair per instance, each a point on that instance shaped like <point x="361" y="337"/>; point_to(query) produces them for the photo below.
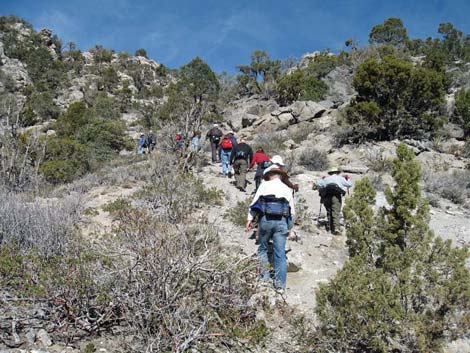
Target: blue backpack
<point x="271" y="206"/>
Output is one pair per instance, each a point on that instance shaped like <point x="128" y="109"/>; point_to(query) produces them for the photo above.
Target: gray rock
<point x="293" y="266"/>
<point x="44" y="338"/>
<point x="340" y="83"/>
<point x="307" y="110"/>
<point x="454" y="131"/>
<point x="31" y="336"/>
<point x="354" y="169"/>
<point x="459" y="346"/>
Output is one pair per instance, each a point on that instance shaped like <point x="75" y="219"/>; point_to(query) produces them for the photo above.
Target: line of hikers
<point x="147" y="143"/>
<point x="272" y="208"/>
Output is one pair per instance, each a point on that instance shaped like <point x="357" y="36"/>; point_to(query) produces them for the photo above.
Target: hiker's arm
<point x="346" y="183"/>
<point x="252" y="163"/>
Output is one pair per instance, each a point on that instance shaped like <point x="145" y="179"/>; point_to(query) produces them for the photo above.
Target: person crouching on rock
<point x="274" y="204"/>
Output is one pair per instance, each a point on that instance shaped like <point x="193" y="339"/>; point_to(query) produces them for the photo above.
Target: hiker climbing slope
<point x="274" y="204"/>
<point x="261" y="159"/>
<point x="278" y="163"/>
<point x="142" y="144"/>
<point x="332" y="189"/>
<point x="226" y="147"/>
<point x="240" y="157"/>
<point x="215" y="135"/>
<point x="151" y="141"/>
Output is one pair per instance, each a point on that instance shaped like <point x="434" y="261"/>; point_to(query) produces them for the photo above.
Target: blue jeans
<point x="277" y="230"/>
<point x="225" y="159"/>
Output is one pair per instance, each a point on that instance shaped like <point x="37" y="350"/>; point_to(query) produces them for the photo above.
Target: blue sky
<point x="224" y="33"/>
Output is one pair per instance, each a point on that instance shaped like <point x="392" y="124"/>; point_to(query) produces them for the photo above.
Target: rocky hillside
<point x="105" y="250"/>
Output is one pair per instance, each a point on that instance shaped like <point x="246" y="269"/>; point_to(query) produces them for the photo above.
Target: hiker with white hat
<point x="278" y="163"/>
<point x="214" y="135"/>
<point x="332" y="189"/>
<point x="273" y="204"/>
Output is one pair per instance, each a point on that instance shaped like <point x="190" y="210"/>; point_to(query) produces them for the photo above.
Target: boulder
<point x="307" y="110"/>
<point x="246" y="112"/>
<point x="339" y="80"/>
<point x="44" y="338"/>
<point x="454" y="131"/>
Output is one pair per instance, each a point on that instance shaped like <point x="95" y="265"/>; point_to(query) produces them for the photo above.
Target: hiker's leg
<point x="257" y="182"/>
<point x="225" y="162"/>
<point x="243" y="166"/>
<point x="280" y="263"/>
<point x="336" y="213"/>
<point x="236" y="168"/>
<point x="264" y="229"/>
<point x="328" y="204"/>
<point x="214" y="151"/>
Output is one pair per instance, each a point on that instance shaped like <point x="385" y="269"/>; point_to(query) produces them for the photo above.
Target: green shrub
<point x="70" y="122"/>
<point x="313" y="159"/>
<point x="117" y="206"/>
<point x="65" y="160"/>
<point x="238" y="214"/>
<point x="43" y="105"/>
<point x="462" y="110"/>
<point x="401" y="284"/>
<point x="395" y="99"/>
<point x="299" y="86"/>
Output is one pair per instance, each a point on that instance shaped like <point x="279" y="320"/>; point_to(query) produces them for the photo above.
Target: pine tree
<point x="403" y="289"/>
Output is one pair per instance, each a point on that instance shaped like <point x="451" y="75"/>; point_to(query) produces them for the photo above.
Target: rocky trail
<point x="312" y="259"/>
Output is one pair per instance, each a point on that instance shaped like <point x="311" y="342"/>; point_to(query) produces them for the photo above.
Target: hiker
<point x="214" y="136"/>
<point x="226" y="147"/>
<point x="151" y="141"/>
<point x="332" y="189"/>
<point x="179" y="143"/>
<point x="261" y="159"/>
<point x="278" y="163"/>
<point x="231" y="136"/>
<point x="196" y="141"/>
<point x="273" y="203"/>
<point x="241" y="156"/>
<point x="142" y="144"/>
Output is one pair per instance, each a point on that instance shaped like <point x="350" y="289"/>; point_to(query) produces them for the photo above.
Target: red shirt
<point x="258" y="157"/>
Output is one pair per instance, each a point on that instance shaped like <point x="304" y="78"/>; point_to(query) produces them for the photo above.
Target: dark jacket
<point x="241" y="151"/>
<point x="233" y="139"/>
<point x="214" y="132"/>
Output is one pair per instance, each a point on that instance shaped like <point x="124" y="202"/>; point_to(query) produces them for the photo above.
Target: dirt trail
<point x="318" y="254"/>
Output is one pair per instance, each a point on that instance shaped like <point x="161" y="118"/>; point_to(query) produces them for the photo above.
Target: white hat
<point x="277" y="160"/>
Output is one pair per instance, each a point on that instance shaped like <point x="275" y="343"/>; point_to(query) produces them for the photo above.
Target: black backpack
<point x="332" y="190"/>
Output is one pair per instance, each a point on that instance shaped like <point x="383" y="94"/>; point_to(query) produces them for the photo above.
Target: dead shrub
<point x="378" y="162"/>
<point x="46" y="225"/>
<point x="182" y="291"/>
<point x="314" y="160"/>
<point x="453" y="186"/>
<point x="271" y="142"/>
